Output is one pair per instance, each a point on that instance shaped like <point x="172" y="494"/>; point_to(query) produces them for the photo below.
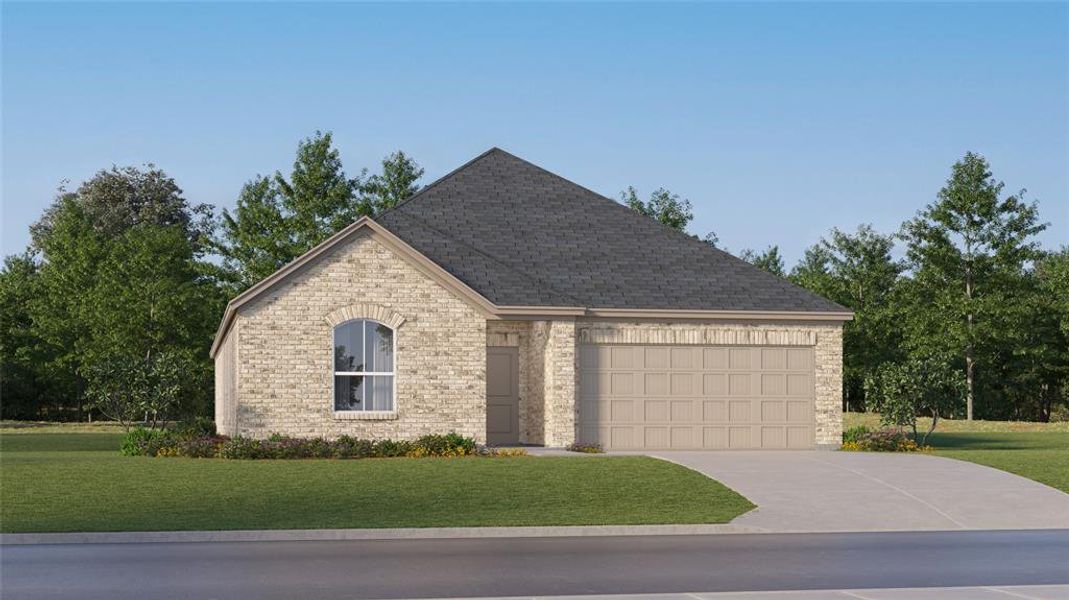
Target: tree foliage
<point x="967" y="254"/>
<point x="857" y="271"/>
<point x="769" y="260"/>
<point x="279" y="218"/>
<point x="663" y="206"/>
<point x="925" y="386"/>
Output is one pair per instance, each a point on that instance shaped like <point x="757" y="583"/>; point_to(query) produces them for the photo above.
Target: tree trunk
<point x="968" y="339"/>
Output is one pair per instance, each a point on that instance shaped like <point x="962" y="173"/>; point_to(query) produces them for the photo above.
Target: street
<point x="533" y="566"/>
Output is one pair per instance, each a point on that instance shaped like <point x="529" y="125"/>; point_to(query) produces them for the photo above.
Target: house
<point x="509" y="304"/>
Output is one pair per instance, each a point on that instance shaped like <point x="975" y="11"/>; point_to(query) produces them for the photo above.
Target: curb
<point x="315" y="535"/>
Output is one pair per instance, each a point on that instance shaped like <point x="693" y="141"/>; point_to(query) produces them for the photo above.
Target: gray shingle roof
<point x="522" y="236"/>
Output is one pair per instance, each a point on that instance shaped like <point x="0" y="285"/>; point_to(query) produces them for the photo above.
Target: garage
<point x="659" y="397"/>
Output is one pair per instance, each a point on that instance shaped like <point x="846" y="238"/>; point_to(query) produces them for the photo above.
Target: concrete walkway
<point x="817" y="491"/>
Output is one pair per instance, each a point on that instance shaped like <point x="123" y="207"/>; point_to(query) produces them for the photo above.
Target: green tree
<point x="28" y="391"/>
<point x="117" y="281"/>
<point x="664" y="206"/>
<point x="769" y="260"/>
<point x="926" y="386"/>
<point x="397" y="181"/>
<point x="857" y="270"/>
<point x="278" y="219"/>
<point x="966" y="253"/>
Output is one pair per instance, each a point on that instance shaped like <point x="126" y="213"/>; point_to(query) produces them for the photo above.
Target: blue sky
<point x="778" y="121"/>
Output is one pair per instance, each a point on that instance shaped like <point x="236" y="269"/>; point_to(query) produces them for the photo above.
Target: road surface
<point x="532" y="566"/>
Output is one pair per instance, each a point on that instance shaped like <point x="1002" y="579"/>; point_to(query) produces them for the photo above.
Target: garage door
<point x="696" y="397"/>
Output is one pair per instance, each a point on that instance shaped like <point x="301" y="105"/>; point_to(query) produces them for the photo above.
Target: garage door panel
<point x="656" y="410"/>
<point x="696" y="397"/>
<point x="655" y="384"/>
<point x="739" y="384"/>
<point x="655" y="358"/>
<point x="682" y="384"/>
<point x="714" y="384"/>
<point x="773" y="384"/>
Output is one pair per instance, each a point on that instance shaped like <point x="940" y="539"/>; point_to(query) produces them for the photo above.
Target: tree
<point x="278" y="219"/>
<point x="769" y="260"/>
<point x="966" y="252"/>
<point x="398" y="181"/>
<point x="148" y="389"/>
<point x="28" y="391"/>
<point x="917" y="386"/>
<point x="857" y="270"/>
<point x="114" y="200"/>
<point x="125" y="281"/>
<point x="663" y="206"/>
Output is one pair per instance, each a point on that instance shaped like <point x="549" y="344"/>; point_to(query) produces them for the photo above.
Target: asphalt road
<point x="532" y="566"/>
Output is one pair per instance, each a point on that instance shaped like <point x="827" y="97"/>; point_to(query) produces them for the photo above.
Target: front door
<point x="502" y="396"/>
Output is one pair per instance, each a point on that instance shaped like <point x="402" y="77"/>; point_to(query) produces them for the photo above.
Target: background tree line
<point x="125" y="280"/>
<point x="963" y="285"/>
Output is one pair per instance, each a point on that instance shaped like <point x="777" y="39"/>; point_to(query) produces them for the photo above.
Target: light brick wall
<point x="285" y="350"/>
<point x="560" y="383"/>
<point x="826" y="340"/>
<point x="226" y="394"/>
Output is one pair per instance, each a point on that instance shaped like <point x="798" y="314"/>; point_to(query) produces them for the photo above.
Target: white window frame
<point x="364" y="414"/>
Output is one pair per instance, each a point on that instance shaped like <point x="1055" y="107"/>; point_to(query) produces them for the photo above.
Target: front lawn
<point x="1038" y="451"/>
<point x="1042" y="456"/>
<point x="78" y="482"/>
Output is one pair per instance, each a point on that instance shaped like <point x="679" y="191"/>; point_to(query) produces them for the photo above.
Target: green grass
<point x="1038" y="451"/>
<point x="78" y="482"/>
<point x="1041" y="456"/>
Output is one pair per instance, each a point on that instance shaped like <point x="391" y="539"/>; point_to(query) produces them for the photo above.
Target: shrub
<point x="507" y="452"/>
<point x="884" y="440"/>
<point x="450" y="444"/>
<point x="148" y="442"/>
<point x="391" y="448"/>
<point x="142" y="441"/>
<point x="855" y="433"/>
<point x="585" y="448"/>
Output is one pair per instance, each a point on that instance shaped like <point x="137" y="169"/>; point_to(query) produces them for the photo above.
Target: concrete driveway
<point x="818" y="491"/>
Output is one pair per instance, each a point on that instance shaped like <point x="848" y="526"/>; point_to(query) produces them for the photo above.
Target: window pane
<point x="378" y="347"/>
<point x="348" y="392"/>
<point x="348" y="346"/>
<point x="380" y="393"/>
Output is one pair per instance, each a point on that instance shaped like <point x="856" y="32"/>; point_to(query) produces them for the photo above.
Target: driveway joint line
<point x="1013" y="593"/>
<point x="895" y="488"/>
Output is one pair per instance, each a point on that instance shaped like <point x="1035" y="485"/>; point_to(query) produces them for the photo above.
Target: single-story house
<point x="509" y="304"/>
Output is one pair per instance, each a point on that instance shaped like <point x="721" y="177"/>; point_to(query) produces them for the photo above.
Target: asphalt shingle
<point x="522" y="236"/>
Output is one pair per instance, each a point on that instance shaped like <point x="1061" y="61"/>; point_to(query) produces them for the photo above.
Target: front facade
<point x="403" y="326"/>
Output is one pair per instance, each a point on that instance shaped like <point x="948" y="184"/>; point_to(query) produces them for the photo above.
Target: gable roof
<point x="516" y="240"/>
<point x="520" y="235"/>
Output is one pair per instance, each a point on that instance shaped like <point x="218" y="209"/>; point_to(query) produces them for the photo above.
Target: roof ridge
<point x="492" y="257"/>
<point x="438" y="181"/>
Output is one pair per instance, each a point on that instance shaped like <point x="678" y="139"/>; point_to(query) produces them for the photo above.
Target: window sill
<point x="365" y="415"/>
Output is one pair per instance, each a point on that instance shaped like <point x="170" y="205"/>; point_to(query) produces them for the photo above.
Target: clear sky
<point x="778" y="121"/>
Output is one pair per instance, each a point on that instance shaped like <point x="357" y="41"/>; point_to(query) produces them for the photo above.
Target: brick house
<point x="509" y="304"/>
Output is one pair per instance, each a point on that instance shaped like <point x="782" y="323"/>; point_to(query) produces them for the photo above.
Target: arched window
<point x="363" y="366"/>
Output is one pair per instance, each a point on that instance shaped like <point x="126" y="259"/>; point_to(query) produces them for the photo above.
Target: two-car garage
<point x="651" y="397"/>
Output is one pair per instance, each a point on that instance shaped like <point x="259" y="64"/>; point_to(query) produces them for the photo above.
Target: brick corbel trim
<point x="373" y="312"/>
<point x="696" y="334"/>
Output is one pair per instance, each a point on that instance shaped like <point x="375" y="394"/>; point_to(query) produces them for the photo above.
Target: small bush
<point x="585" y="448"/>
<point x="855" y="433"/>
<point x="141" y="441"/>
<point x="391" y="448"/>
<point x="884" y="440"/>
<point x="450" y="444"/>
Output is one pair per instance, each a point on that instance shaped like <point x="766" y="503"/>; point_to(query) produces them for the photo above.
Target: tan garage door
<point x="696" y="397"/>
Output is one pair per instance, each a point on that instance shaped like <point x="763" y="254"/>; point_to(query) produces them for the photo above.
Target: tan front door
<point x="502" y="396"/>
<point x="696" y="397"/>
